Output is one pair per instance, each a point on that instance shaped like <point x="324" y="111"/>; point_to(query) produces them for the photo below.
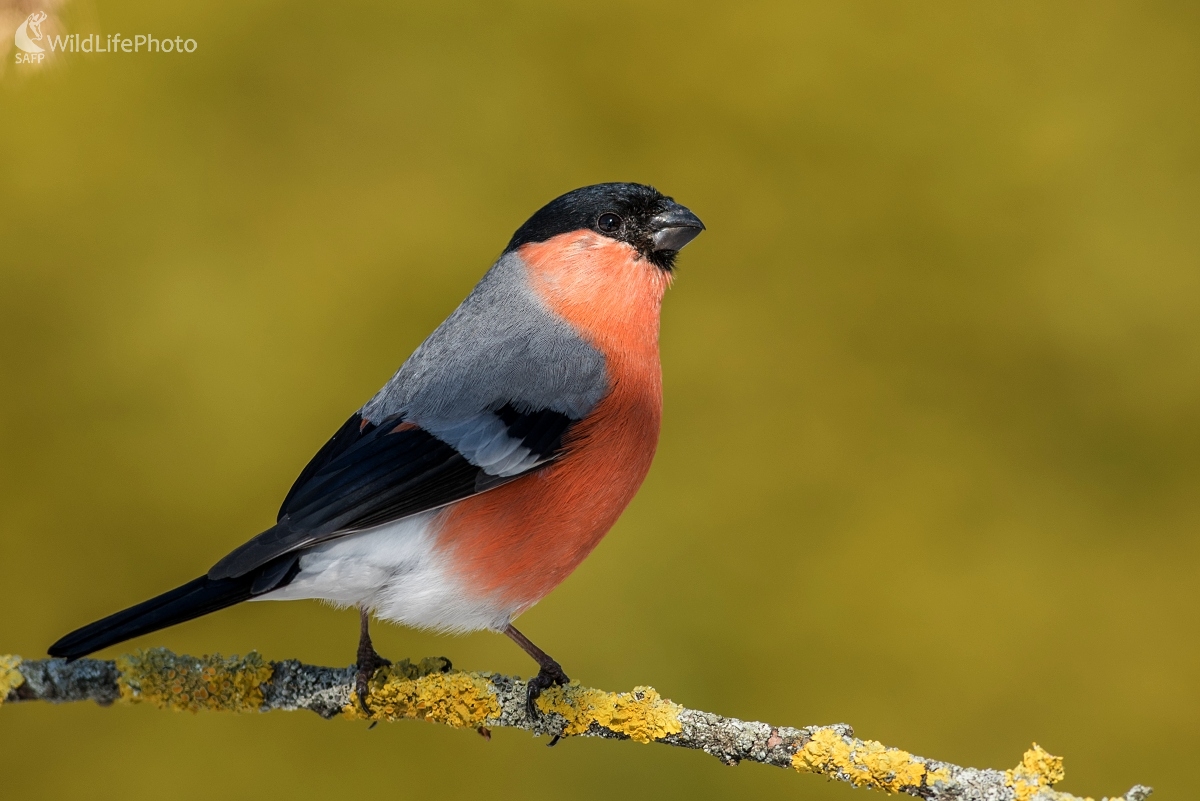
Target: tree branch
<point x="431" y="690"/>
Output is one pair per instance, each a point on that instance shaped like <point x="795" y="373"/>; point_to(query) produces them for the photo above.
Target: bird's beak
<point x="674" y="227"/>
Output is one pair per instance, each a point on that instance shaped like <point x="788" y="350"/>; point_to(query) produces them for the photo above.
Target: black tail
<point x="196" y="598"/>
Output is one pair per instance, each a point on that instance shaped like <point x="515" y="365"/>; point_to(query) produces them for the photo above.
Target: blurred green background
<point x="932" y="430"/>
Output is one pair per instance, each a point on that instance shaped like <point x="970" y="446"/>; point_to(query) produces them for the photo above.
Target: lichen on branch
<point x="432" y="691"/>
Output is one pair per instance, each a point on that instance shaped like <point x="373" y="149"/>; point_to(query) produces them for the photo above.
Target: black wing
<point x="369" y="474"/>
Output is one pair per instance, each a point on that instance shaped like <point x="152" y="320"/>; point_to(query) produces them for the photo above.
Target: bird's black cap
<point x="634" y="213"/>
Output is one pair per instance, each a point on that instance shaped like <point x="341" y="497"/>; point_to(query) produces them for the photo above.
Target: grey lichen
<point x="58" y="681"/>
<point x="295" y="685"/>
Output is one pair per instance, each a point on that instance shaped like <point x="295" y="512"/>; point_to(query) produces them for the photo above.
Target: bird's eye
<point x="609" y="222"/>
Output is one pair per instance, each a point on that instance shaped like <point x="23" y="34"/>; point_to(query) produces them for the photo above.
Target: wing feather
<point x="367" y="475"/>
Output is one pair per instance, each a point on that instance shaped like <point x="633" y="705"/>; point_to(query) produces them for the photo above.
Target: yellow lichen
<point x="1037" y="773"/>
<point x="188" y="683"/>
<point x="642" y="715"/>
<point x="424" y="692"/>
<point x="866" y="763"/>
<point x="939" y="775"/>
<point x="10" y="676"/>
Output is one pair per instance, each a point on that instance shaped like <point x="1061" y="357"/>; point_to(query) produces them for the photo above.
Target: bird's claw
<point x="550" y="675"/>
<point x="366" y="666"/>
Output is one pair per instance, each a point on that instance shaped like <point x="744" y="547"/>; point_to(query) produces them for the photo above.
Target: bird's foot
<point x="368" y="662"/>
<point x="550" y="675"/>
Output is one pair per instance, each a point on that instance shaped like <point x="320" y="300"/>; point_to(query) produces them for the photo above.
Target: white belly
<point x="394" y="571"/>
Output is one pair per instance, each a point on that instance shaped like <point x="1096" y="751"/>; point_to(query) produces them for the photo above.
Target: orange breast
<point x="516" y="543"/>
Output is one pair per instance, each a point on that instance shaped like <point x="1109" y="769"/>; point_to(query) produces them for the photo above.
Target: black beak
<point x="674" y="227"/>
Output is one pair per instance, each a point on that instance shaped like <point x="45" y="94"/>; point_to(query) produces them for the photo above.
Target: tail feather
<point x="194" y="599"/>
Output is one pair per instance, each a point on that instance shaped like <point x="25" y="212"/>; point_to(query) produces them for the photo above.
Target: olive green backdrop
<point x="932" y="439"/>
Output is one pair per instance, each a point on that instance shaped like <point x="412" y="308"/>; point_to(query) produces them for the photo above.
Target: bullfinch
<point x="492" y="462"/>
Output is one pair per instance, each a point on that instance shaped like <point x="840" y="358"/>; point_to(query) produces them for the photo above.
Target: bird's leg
<point x="368" y="660"/>
<point x="550" y="673"/>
